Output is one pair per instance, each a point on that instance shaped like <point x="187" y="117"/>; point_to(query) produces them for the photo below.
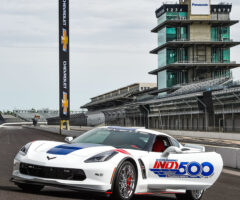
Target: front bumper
<point x="38" y="181"/>
<point x="93" y="182"/>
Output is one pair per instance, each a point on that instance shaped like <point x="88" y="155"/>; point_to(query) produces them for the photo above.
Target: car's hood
<point x="64" y="149"/>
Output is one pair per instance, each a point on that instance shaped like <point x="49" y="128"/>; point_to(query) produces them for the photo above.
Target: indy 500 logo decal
<point x="172" y="168"/>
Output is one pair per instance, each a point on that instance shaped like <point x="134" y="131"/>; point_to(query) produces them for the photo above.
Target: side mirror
<point x="171" y="149"/>
<point x="68" y="139"/>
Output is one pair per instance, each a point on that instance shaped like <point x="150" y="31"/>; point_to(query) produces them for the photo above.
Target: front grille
<point x="52" y="172"/>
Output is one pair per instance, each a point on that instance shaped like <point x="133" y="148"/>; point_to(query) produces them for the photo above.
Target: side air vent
<point x="143" y="169"/>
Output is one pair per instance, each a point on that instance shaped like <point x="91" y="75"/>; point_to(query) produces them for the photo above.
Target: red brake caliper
<point x="129" y="181"/>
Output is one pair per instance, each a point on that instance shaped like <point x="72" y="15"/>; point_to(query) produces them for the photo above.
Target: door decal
<point x="166" y="168"/>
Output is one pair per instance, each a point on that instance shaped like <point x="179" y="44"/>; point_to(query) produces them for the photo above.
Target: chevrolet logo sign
<point x="65" y="103"/>
<point x="64" y="40"/>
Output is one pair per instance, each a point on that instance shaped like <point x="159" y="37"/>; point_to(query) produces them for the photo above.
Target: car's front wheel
<point x="30" y="187"/>
<point x="125" y="182"/>
<point x="191" y="195"/>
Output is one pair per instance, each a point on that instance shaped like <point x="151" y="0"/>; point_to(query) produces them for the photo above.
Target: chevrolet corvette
<point x="119" y="162"/>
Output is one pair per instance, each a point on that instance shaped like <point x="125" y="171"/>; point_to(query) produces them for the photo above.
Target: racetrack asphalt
<point x="13" y="138"/>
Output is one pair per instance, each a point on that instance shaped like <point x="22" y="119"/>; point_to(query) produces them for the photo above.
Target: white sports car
<point x="119" y="162"/>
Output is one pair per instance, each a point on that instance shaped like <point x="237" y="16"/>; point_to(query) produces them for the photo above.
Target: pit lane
<point x="13" y="138"/>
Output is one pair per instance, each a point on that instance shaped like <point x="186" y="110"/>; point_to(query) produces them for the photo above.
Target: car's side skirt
<point x="167" y="191"/>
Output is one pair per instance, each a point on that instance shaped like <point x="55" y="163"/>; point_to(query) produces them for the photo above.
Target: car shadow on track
<point x="68" y="194"/>
<point x="150" y="197"/>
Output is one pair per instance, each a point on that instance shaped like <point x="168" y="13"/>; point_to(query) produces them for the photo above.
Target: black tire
<point x="191" y="195"/>
<point x="125" y="182"/>
<point x="30" y="187"/>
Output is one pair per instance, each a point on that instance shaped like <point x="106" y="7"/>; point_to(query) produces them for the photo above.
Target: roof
<point x="215" y="8"/>
<point x="183" y="66"/>
<point x="166" y="6"/>
<point x="180" y="22"/>
<point x="134" y="84"/>
<point x="120" y="96"/>
<point x="109" y="100"/>
<point x="186" y="43"/>
<point x="135" y="129"/>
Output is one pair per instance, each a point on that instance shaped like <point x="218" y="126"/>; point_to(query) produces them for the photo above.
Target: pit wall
<point x="230" y="156"/>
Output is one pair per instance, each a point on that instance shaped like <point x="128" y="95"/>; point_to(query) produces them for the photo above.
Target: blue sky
<point x="110" y="43"/>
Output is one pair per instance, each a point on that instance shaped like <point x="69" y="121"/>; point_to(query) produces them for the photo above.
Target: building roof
<point x="223" y="44"/>
<point x="165" y="7"/>
<point x="132" y="85"/>
<point x="180" y="22"/>
<point x="118" y="97"/>
<point x="183" y="66"/>
<point x="215" y="8"/>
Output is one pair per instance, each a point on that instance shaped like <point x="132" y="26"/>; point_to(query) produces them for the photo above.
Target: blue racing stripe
<point x="62" y="150"/>
<point x="69" y="148"/>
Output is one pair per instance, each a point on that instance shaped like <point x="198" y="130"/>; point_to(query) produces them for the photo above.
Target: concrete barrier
<point x="230" y="156"/>
<point x="72" y="133"/>
<point x="21" y="124"/>
<point x="210" y="148"/>
<point x="197" y="134"/>
<point x="238" y="159"/>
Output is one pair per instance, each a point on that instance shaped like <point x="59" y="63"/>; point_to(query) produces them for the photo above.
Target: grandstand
<point x="8" y="118"/>
<point x="79" y="119"/>
<point x="202" y="86"/>
<point x="120" y="96"/>
<point x="28" y="115"/>
<point x="1" y="119"/>
<point x="209" y="110"/>
<point x="212" y="107"/>
<point x="208" y="105"/>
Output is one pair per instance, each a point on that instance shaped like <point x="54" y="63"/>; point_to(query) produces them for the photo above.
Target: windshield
<point x="117" y="138"/>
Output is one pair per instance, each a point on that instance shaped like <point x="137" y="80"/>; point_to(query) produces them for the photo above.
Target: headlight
<point x="25" y="148"/>
<point x="102" y="157"/>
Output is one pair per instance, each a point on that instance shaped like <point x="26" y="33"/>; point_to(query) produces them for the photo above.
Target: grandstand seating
<point x="79" y="119"/>
<point x="11" y="118"/>
<point x="1" y="119"/>
<point x="202" y="86"/>
<point x="28" y="115"/>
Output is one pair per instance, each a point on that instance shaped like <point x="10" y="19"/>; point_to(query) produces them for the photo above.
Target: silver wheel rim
<point x="126" y="181"/>
<point x="197" y="193"/>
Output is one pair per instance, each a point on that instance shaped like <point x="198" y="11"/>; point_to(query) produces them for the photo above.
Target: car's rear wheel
<point x="191" y="195"/>
<point x="125" y="182"/>
<point x="30" y="187"/>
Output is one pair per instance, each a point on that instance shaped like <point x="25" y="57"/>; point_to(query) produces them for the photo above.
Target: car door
<point x="185" y="170"/>
<point x="159" y="166"/>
